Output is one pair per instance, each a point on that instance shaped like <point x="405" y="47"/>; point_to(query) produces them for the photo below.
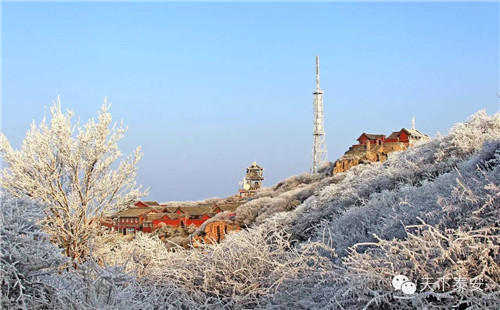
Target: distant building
<point x="147" y="216"/>
<point x="406" y="136"/>
<point x="132" y="219"/>
<point x="252" y="181"/>
<point x="369" y="139"/>
<point x="376" y="147"/>
<point x="216" y="231"/>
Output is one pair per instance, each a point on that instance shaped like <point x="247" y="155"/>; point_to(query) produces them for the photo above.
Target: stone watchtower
<point x="254" y="176"/>
<point x="252" y="181"/>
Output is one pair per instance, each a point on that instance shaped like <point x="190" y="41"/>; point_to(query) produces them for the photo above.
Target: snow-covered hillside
<point x="431" y="213"/>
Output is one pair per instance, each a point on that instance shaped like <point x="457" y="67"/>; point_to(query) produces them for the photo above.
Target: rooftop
<point x="134" y="211"/>
<point x="372" y="136"/>
<point x="151" y="203"/>
<point x="172" y="216"/>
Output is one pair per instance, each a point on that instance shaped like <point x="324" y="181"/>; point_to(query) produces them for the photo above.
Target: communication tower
<point x="319" y="151"/>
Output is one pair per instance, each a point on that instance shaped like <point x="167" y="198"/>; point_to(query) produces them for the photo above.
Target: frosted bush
<point x="469" y="193"/>
<point x="434" y="260"/>
<point x="28" y="259"/>
<point x="311" y="242"/>
<point x="424" y="172"/>
<point x="284" y="196"/>
<point x="249" y="268"/>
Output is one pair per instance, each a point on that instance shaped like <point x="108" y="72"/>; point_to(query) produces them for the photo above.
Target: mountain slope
<point x="431" y="213"/>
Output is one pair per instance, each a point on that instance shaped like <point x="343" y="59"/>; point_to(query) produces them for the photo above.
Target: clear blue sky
<point x="206" y="88"/>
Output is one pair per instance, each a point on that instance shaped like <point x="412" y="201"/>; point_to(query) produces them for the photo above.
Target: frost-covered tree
<point x="73" y="171"/>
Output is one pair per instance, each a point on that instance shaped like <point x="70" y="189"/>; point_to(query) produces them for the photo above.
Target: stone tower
<point x="254" y="176"/>
<point x="252" y="181"/>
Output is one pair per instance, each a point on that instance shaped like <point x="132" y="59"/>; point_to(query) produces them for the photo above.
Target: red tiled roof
<point x="371" y="136"/>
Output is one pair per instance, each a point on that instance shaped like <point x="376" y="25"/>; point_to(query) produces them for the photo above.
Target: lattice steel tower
<point x="319" y="152"/>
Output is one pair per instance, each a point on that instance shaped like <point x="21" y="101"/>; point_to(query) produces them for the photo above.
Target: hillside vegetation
<point x="312" y="242"/>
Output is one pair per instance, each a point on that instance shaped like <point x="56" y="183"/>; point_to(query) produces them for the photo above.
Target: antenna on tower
<point x="317" y="72"/>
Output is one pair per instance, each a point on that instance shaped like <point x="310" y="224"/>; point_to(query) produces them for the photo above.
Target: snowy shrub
<point x="382" y="198"/>
<point x="169" y="232"/>
<point x="246" y="213"/>
<point x="467" y="194"/>
<point x="250" y="269"/>
<point x="28" y="259"/>
<point x="98" y="286"/>
<point x="475" y="199"/>
<point x="188" y="204"/>
<point x="138" y="255"/>
<point x="450" y="268"/>
<point x="284" y="196"/>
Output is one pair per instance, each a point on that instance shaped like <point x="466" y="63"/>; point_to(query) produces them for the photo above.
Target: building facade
<point x="376" y="147"/>
<point x="150" y="216"/>
<point x="252" y="181"/>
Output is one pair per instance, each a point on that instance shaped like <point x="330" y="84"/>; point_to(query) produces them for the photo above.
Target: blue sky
<point x="206" y="88"/>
